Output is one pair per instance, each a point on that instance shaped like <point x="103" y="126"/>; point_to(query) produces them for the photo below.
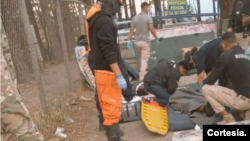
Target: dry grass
<point x="47" y="123"/>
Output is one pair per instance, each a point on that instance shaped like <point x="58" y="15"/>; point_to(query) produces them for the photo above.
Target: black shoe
<point x="121" y="133"/>
<point x="113" y="132"/>
<point x="209" y="110"/>
<point x="102" y="128"/>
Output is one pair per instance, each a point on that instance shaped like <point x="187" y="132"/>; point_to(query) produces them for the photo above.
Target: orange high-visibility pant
<point x="110" y="96"/>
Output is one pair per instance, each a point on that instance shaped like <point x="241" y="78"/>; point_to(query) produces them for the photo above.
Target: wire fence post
<point x="160" y="13"/>
<point x="31" y="46"/>
<point x="81" y="19"/>
<point x="63" y="43"/>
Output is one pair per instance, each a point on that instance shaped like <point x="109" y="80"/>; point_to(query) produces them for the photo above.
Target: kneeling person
<point x="162" y="80"/>
<point x="237" y="68"/>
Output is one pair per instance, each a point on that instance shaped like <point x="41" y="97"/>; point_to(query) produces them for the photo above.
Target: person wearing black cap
<point x="110" y="74"/>
<point x="163" y="79"/>
<point x="237" y="68"/>
<point x="204" y="58"/>
<point x="235" y="23"/>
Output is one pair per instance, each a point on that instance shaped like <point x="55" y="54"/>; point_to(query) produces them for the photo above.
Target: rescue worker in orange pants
<point x="92" y="11"/>
<point x="110" y="73"/>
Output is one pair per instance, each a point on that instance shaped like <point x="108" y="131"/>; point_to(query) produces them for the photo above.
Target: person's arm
<point x="151" y="27"/>
<point x="115" y="68"/>
<point x="173" y="79"/>
<point x="199" y="61"/>
<point x="200" y="78"/>
<point x="152" y="30"/>
<point x="108" y="46"/>
<point x="217" y="71"/>
<point x="132" y="29"/>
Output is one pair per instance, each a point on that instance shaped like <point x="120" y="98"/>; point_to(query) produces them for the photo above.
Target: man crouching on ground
<point x="110" y="74"/>
<point x="237" y="68"/>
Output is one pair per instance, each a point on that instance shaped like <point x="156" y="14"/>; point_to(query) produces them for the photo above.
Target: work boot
<point x="209" y="110"/>
<point x="226" y="120"/>
<point x="113" y="133"/>
<point x="102" y="128"/>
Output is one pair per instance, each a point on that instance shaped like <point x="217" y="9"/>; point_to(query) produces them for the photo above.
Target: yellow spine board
<point x="155" y="118"/>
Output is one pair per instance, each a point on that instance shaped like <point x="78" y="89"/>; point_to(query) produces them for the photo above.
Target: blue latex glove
<point x="157" y="42"/>
<point x="247" y="53"/>
<point x="202" y="84"/>
<point x="121" y="82"/>
<point x="129" y="45"/>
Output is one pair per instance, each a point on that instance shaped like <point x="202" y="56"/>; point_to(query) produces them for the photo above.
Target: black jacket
<point x="104" y="47"/>
<point x="235" y="20"/>
<point x="166" y="74"/>
<point x="105" y="50"/>
<point x="237" y="69"/>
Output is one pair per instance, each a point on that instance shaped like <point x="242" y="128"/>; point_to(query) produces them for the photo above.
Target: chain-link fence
<point x="56" y="72"/>
<point x="42" y="35"/>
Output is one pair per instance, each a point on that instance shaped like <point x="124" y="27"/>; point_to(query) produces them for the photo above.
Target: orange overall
<point x="95" y="8"/>
<point x="110" y="96"/>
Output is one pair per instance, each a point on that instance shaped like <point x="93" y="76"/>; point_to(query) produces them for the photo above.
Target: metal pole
<point x="218" y="19"/>
<point x="63" y="43"/>
<point x="160" y="13"/>
<point x="31" y="45"/>
<point x="81" y="19"/>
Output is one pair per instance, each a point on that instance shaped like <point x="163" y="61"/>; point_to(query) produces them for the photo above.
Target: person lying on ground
<point x="162" y="80"/>
<point x="203" y="59"/>
<point x="233" y="63"/>
<point x="139" y="89"/>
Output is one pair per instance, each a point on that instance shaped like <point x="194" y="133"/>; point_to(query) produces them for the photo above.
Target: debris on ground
<point x="82" y="98"/>
<point x="69" y="120"/>
<point x="59" y="132"/>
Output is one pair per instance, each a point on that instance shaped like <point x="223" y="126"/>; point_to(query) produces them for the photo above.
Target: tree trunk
<point x="134" y="9"/>
<point x="34" y="23"/>
<point x="52" y="29"/>
<point x="18" y="45"/>
<point x="199" y="10"/>
<point x="214" y="9"/>
<point x="131" y="9"/>
<point x="125" y="8"/>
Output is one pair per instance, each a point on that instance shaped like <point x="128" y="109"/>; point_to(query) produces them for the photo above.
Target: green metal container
<point x="171" y="48"/>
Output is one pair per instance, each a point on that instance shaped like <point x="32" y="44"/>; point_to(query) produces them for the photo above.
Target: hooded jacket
<point x="103" y="38"/>
<point x="103" y="41"/>
<point x="92" y="11"/>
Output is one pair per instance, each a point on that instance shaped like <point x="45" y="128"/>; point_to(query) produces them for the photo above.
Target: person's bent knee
<point x="205" y="89"/>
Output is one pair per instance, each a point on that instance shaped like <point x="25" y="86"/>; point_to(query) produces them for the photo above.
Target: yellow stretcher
<point x="154" y="117"/>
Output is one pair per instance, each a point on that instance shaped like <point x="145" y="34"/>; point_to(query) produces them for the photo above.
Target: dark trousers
<point x="160" y="93"/>
<point x="98" y="107"/>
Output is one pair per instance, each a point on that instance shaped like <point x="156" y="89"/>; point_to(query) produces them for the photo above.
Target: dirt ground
<point x="85" y="116"/>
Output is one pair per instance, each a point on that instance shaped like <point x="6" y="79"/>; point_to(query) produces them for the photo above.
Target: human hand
<point x="202" y="84"/>
<point x="229" y="30"/>
<point x="121" y="82"/>
<point x="157" y="42"/>
<point x="129" y="45"/>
